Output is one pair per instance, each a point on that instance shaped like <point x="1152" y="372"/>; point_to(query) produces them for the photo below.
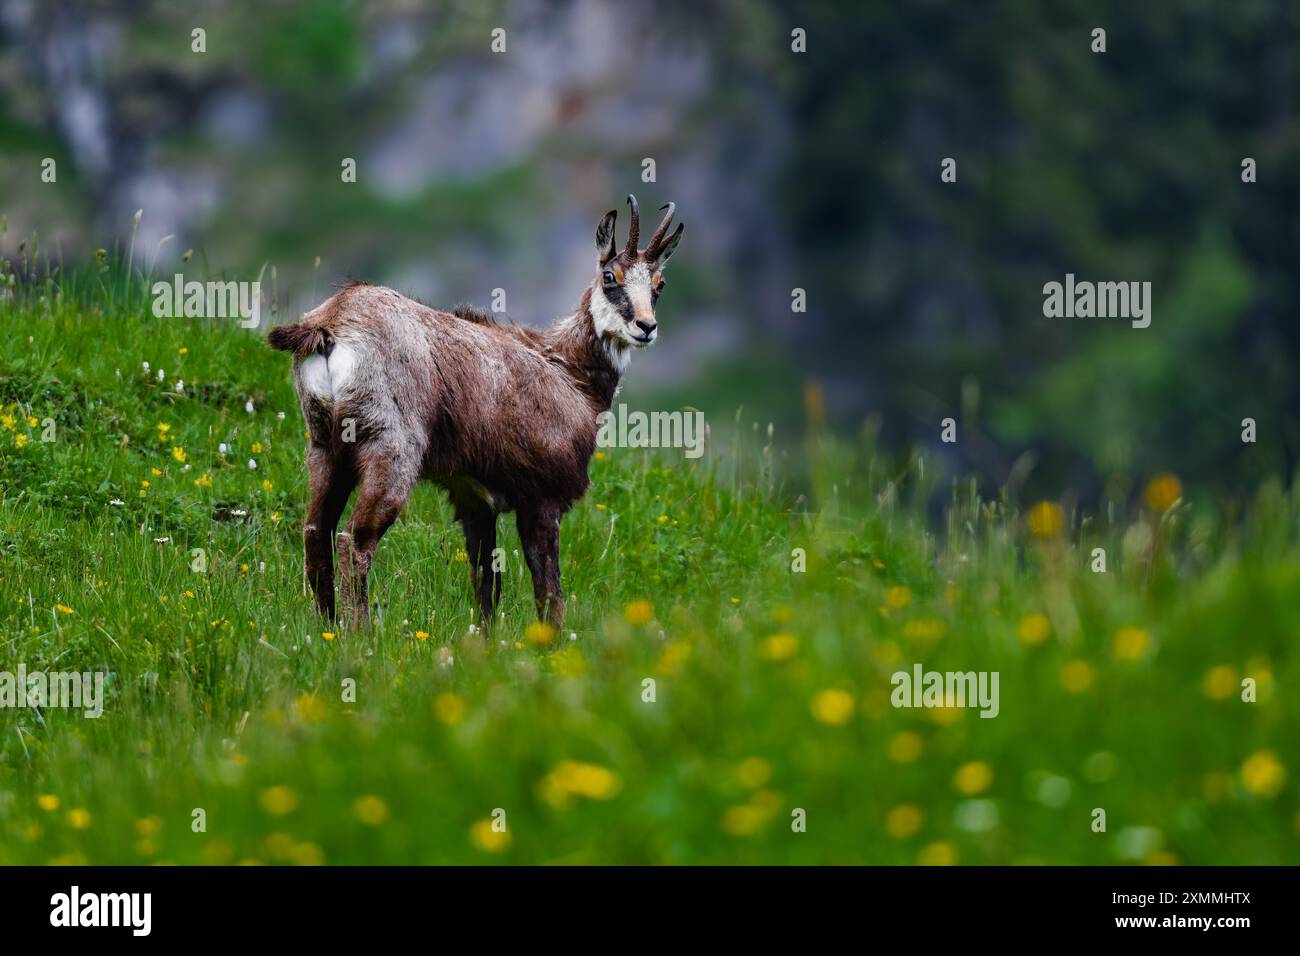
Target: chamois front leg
<point x="539" y="533"/>
<point x="480" y="525"/>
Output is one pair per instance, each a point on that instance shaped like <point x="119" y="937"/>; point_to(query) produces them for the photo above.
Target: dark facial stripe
<point x="618" y="298"/>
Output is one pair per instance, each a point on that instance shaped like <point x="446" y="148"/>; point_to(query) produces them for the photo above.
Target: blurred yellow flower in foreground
<point x="753" y="772"/>
<point x="945" y="715"/>
<point x="278" y="800"/>
<point x="1131" y="643"/>
<point x="779" y="647"/>
<point x="744" y="819"/>
<point x="573" y="778"/>
<point x="924" y="629"/>
<point x="904" y="821"/>
<point x="638" y="613"/>
<point x="972" y="778"/>
<point x="1076" y="676"/>
<point x="485" y="838"/>
<point x="78" y="818"/>
<point x="904" y="747"/>
<point x="898" y="597"/>
<point x="1163" y="492"/>
<point x="48" y="802"/>
<point x="370" y="810"/>
<point x="307" y="854"/>
<point x="311" y="709"/>
<point x="1263" y="774"/>
<point x="1045" y="519"/>
<point x="449" y="708"/>
<point x="539" y="633"/>
<point x="832" y="707"/>
<point x="672" y="657"/>
<point x="1034" y="629"/>
<point x="1219" y="683"/>
<point x="937" y="854"/>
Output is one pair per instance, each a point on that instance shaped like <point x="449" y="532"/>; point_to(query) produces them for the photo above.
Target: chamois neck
<point x="595" y="364"/>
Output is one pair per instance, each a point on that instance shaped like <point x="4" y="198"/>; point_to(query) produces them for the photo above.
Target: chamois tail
<point x="299" y="339"/>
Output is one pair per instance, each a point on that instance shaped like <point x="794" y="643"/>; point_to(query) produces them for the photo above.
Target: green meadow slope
<point x="768" y="734"/>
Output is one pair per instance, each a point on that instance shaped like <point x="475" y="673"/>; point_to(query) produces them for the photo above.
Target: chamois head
<point x="627" y="289"/>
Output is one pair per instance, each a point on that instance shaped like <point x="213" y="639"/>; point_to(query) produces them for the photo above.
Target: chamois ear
<point x="669" y="246"/>
<point x="605" y="237"/>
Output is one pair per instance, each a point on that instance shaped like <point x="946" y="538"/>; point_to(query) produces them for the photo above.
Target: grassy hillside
<point x="1118" y="690"/>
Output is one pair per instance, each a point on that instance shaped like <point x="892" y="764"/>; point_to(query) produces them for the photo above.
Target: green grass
<point x="224" y="695"/>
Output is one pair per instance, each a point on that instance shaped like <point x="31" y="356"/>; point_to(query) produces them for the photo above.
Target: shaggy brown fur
<point x="502" y="417"/>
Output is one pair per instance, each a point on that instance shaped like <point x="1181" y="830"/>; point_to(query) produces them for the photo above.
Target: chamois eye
<point x="660" y="286"/>
<point x="608" y="277"/>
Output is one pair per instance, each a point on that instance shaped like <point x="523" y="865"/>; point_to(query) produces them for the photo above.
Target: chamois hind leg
<point x="479" y="522"/>
<point x="386" y="481"/>
<point x="539" y="533"/>
<point x="331" y="480"/>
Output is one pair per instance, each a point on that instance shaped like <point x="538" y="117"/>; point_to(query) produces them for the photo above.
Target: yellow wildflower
<point x="539" y="633"/>
<point x="937" y="854"/>
<point x="449" y="708"/>
<point x="487" y="838"/>
<point x="1034" y="629"/>
<point x="278" y="800"/>
<point x="904" y="747"/>
<point x="1263" y="774"/>
<point x="1220" y="682"/>
<point x="1076" y="676"/>
<point x="1045" y="519"/>
<point x="973" y="778"/>
<point x="1163" y="492"/>
<point x="572" y="778"/>
<point x="779" y="647"/>
<point x="78" y="819"/>
<point x="833" y="707"/>
<point x="898" y="597"/>
<point x="370" y="810"/>
<point x="639" y="613"/>
<point x="1131" y="643"/>
<point x="753" y="772"/>
<point x="904" y="820"/>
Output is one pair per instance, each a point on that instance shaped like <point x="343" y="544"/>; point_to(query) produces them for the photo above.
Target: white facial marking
<point x="621" y="337"/>
<point x="606" y="318"/>
<point x="637" y="284"/>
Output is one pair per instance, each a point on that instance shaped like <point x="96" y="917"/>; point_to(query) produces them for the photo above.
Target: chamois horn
<point x="652" y="248"/>
<point x="634" y="229"/>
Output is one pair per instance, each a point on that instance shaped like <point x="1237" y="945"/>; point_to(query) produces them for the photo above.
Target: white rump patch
<point x="327" y="378"/>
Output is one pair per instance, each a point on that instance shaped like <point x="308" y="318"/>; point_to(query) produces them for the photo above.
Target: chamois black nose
<point x="646" y="327"/>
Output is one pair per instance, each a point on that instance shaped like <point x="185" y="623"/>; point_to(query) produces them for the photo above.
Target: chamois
<point x="503" y="417"/>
